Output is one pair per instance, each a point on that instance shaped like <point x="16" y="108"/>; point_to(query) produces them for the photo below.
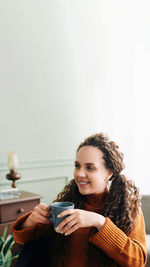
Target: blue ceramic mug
<point x="58" y="207"/>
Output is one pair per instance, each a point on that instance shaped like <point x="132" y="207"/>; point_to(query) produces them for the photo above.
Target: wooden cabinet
<point x="12" y="209"/>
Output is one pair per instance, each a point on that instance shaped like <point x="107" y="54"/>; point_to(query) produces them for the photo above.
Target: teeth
<point x="83" y="183"/>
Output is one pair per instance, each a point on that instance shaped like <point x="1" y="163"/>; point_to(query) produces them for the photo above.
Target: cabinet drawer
<point x="11" y="212"/>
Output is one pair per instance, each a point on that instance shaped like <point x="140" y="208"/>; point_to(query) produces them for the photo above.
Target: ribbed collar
<point x="95" y="201"/>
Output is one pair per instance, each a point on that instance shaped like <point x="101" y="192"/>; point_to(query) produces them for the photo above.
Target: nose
<point x="80" y="173"/>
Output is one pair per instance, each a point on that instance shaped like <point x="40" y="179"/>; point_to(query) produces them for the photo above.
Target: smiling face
<point x="90" y="173"/>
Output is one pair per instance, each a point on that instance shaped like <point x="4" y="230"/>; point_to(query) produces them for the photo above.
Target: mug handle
<point x="50" y="218"/>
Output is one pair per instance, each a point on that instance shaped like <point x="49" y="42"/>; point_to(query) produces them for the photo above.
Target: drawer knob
<point x="21" y="210"/>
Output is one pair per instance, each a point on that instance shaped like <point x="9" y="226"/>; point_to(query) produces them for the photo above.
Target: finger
<point x="66" y="212"/>
<point x="68" y="226"/>
<point x="65" y="221"/>
<point x="45" y="213"/>
<point x="73" y="229"/>
<point x="42" y="219"/>
<point x="44" y="207"/>
<point x="39" y="213"/>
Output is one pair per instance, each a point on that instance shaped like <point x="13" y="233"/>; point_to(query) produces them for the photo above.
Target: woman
<point x="106" y="228"/>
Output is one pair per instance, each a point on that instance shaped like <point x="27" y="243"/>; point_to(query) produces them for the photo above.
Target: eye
<point x="90" y="168"/>
<point x="77" y="165"/>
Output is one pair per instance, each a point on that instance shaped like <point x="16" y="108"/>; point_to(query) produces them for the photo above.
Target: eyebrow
<point x="88" y="163"/>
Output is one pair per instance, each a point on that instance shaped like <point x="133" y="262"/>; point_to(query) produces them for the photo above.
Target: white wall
<point x="71" y="68"/>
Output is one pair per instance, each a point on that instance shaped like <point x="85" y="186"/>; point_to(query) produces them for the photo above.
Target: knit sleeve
<point x="125" y="250"/>
<point x="27" y="234"/>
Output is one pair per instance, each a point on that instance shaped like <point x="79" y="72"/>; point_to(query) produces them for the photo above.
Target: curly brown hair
<point x="121" y="203"/>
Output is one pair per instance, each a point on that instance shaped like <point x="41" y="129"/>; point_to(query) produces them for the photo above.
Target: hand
<point x="38" y="215"/>
<point x="79" y="218"/>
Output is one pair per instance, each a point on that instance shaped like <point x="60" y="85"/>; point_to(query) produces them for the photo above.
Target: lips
<point x="83" y="183"/>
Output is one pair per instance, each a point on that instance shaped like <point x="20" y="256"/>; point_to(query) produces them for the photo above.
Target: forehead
<point x="90" y="154"/>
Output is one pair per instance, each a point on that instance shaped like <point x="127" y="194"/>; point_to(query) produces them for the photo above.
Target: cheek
<point x="104" y="175"/>
<point x="101" y="179"/>
<point x="74" y="173"/>
<point x="100" y="185"/>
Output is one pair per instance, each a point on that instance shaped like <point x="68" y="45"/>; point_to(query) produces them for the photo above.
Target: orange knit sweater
<point x="126" y="251"/>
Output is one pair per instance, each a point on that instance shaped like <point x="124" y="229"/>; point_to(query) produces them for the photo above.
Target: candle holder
<point x="13" y="175"/>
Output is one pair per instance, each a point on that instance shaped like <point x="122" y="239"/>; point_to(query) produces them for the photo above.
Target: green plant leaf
<point x="1" y="258"/>
<point x="8" y="244"/>
<point x="7" y="259"/>
<point x="1" y="243"/>
<point x="4" y="233"/>
<point x="16" y="254"/>
<point x="15" y="257"/>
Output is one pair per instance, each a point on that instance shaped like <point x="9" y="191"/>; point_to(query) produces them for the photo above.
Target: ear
<point x="110" y="174"/>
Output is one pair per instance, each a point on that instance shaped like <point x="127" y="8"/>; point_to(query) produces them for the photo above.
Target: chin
<point x="82" y="192"/>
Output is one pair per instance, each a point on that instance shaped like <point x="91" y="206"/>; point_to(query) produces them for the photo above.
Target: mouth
<point x="83" y="183"/>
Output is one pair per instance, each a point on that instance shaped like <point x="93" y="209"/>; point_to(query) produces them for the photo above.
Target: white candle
<point x="12" y="160"/>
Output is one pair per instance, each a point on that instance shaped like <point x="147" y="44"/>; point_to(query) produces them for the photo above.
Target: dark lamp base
<point x="13" y="175"/>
